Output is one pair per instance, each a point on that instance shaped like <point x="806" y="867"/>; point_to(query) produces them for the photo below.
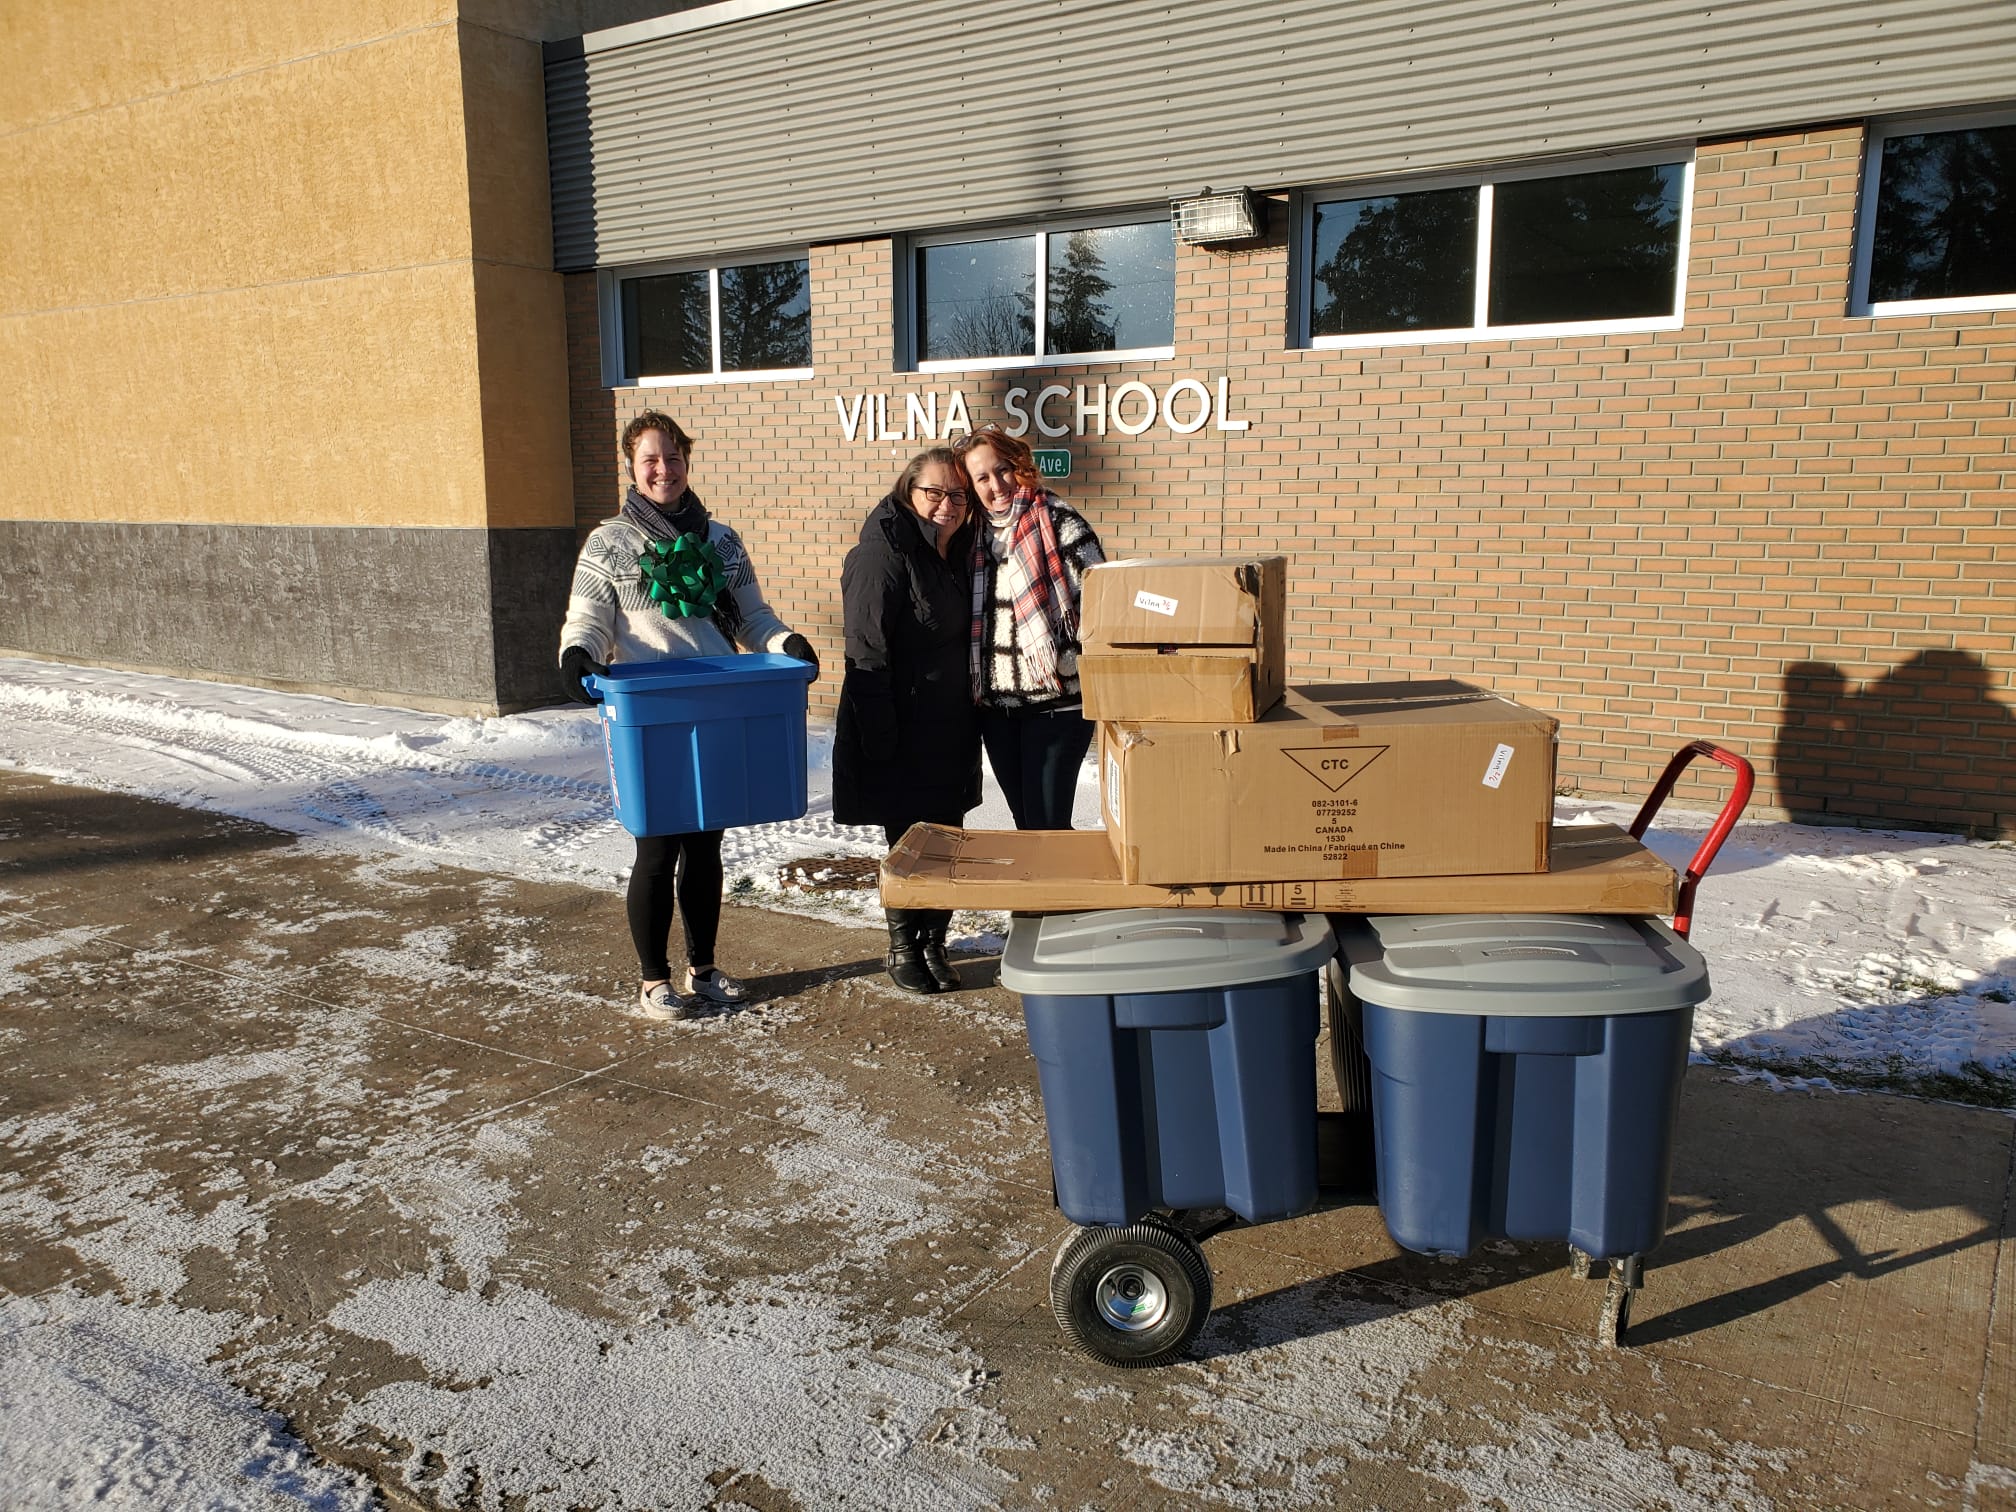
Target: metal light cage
<point x="1208" y="218"/>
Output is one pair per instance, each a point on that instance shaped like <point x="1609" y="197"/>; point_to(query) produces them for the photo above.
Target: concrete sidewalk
<point x="366" y="1144"/>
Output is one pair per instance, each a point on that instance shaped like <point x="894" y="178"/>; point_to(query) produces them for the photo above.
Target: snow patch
<point x="105" y="1404"/>
<point x="567" y="1411"/>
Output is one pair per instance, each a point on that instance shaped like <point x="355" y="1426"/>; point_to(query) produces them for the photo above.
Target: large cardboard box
<point x="1184" y="638"/>
<point x="1591" y="869"/>
<point x="1396" y="779"/>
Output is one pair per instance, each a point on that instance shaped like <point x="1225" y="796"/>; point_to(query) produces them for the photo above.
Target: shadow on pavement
<point x="1760" y="1180"/>
<point x="56" y="830"/>
<point x="784" y="984"/>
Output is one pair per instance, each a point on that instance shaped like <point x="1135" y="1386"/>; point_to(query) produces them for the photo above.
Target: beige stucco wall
<point x="298" y="258"/>
<point x="86" y="54"/>
<point x="340" y="401"/>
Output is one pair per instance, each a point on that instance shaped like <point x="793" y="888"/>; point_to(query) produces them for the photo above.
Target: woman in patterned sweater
<point x="611" y="617"/>
<point x="1029" y="559"/>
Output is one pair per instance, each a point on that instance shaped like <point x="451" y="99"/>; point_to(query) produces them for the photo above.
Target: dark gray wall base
<point x="465" y="619"/>
<point x="530" y="572"/>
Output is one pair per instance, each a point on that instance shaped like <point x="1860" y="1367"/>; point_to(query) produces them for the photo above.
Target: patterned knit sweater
<point x="1004" y="669"/>
<point x="610" y="615"/>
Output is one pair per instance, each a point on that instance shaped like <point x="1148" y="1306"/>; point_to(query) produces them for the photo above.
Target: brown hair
<point x="1012" y="449"/>
<point x="656" y="420"/>
<point x="907" y="479"/>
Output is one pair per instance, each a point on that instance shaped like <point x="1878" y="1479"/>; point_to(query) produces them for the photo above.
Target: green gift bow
<point x="683" y="577"/>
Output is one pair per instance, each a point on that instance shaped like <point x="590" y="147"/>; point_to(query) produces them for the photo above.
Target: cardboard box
<point x="1591" y="869"/>
<point x="1340" y="780"/>
<point x="1184" y="638"/>
<point x="1184" y="684"/>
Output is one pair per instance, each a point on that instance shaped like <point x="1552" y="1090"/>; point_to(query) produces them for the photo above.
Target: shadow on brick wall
<point x="1925" y="746"/>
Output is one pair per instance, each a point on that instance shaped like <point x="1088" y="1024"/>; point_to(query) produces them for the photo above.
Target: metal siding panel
<point x="874" y="116"/>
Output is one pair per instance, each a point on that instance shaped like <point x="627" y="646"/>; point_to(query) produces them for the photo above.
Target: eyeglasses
<point x="988" y="435"/>
<point x="940" y="495"/>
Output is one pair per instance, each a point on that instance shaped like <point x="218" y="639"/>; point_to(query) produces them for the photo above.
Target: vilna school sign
<point x="1183" y="407"/>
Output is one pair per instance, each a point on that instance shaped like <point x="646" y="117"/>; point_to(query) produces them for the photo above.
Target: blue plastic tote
<point x="705" y="742"/>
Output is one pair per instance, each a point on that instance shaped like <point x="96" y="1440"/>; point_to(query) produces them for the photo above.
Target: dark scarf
<point x="900" y="508"/>
<point x="688" y="517"/>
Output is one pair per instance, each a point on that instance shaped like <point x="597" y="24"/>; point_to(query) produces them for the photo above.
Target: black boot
<point x="930" y="927"/>
<point x="906" y="960"/>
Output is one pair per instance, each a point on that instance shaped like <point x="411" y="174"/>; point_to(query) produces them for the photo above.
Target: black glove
<point x="574" y="662"/>
<point x="796" y="645"/>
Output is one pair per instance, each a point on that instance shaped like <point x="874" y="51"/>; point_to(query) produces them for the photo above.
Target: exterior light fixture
<point x="1209" y="218"/>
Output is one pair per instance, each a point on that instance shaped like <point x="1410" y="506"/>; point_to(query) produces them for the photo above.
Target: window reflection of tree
<point x="766" y="317"/>
<point x="1590" y="246"/>
<point x="1408" y="262"/>
<point x="1000" y="324"/>
<point x="665" y="325"/>
<point x="1079" y="318"/>
<point x="1946" y="216"/>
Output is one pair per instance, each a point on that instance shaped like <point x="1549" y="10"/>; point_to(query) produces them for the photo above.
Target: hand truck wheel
<point x="1627" y="1274"/>
<point x="1133" y="1297"/>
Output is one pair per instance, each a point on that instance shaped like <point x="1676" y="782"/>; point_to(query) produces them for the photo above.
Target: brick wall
<point x="1783" y="528"/>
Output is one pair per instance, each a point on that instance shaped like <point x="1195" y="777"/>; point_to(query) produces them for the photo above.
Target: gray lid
<point x="1124" y="950"/>
<point x="1521" y="965"/>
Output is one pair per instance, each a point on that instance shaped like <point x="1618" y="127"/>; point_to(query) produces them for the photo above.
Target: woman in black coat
<point x="906" y="744"/>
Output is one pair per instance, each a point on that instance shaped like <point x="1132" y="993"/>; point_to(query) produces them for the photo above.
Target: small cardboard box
<point x="1184" y="638"/>
<point x="1591" y="869"/>
<point x="1341" y="780"/>
<point x="1181" y="684"/>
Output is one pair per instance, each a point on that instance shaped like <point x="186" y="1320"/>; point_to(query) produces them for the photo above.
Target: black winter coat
<point x="906" y="742"/>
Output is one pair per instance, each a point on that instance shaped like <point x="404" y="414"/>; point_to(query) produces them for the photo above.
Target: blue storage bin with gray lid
<point x="1526" y="1074"/>
<point x="1177" y="1055"/>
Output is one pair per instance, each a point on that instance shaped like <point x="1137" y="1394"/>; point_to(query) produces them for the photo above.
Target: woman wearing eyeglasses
<point x="1030" y="553"/>
<point x="906" y="741"/>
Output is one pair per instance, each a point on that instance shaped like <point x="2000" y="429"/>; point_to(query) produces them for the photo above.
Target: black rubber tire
<point x="1100" y="1271"/>
<point x="1615" y="1317"/>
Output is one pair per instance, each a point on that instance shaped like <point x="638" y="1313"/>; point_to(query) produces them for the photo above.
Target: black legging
<point x="668" y="867"/>
<point x="1036" y="757"/>
<point x="922" y="918"/>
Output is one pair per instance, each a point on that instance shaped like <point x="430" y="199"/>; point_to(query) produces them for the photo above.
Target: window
<point x="751" y="319"/>
<point x="1600" y="249"/>
<point x="1106" y="291"/>
<point x="1939" y="218"/>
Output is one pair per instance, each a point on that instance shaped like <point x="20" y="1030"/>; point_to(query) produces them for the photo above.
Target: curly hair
<point x="656" y="420"/>
<point x="1011" y="449"/>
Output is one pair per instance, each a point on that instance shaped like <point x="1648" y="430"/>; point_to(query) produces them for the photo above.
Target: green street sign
<point x="1053" y="462"/>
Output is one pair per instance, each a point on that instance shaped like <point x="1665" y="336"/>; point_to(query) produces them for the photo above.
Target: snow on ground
<point x="1839" y="957"/>
<point x="112" y="1405"/>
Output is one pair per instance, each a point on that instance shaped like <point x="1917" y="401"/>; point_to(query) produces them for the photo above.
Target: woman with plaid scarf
<point x="1029" y="559"/>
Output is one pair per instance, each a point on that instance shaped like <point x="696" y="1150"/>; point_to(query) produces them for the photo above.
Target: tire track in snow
<point x="326" y="783"/>
<point x="391" y="791"/>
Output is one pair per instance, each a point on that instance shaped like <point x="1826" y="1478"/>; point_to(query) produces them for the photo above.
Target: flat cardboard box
<point x="1184" y="638"/>
<point x="1341" y="780"/>
<point x="1591" y="868"/>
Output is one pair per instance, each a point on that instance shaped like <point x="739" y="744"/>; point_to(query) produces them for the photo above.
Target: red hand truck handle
<point x="1732" y="809"/>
